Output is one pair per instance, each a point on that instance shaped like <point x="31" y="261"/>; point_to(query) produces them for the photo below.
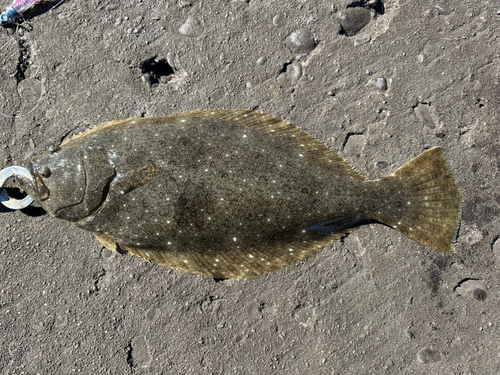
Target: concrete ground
<point x="378" y="82"/>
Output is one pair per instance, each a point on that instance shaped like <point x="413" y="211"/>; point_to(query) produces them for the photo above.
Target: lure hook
<point x="5" y="199"/>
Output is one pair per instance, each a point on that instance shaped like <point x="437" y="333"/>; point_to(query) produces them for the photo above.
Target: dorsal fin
<point x="102" y="128"/>
<point x="259" y="121"/>
<point x="284" y="130"/>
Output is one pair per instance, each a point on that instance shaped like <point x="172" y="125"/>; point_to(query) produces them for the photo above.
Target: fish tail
<point x="426" y="201"/>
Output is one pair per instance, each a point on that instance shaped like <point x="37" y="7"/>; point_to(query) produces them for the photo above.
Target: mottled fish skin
<point x="232" y="194"/>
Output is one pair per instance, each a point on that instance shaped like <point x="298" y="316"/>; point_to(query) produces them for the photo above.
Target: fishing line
<point x="36" y="63"/>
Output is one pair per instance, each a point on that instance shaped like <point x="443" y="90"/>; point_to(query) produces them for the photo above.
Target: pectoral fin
<point x="134" y="179"/>
<point x="106" y="241"/>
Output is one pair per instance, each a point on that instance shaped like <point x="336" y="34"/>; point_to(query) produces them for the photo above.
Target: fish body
<point x="232" y="193"/>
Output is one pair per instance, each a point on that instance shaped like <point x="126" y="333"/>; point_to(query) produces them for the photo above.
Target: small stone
<point x="480" y="294"/>
<point x="171" y="59"/>
<point x="355" y="145"/>
<point x="496" y="248"/>
<point x="424" y="116"/>
<point x="152" y="314"/>
<point x="191" y="28"/>
<point x="217" y="94"/>
<point x="279" y="20"/>
<point x="290" y="77"/>
<point x="470" y="234"/>
<point x="375" y="4"/>
<point x="140" y="355"/>
<point x="146" y="78"/>
<point x="362" y="40"/>
<point x="111" y="7"/>
<point x="185" y="3"/>
<point x="301" y="41"/>
<point x="261" y="60"/>
<point x="379" y="83"/>
<point x="352" y="20"/>
<point x="428" y="355"/>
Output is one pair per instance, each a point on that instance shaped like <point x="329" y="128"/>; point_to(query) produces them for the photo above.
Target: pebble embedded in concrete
<point x="301" y="41"/>
<point x="217" y="94"/>
<point x="290" y="77"/>
<point x="472" y="288"/>
<point x="379" y="83"/>
<point x="352" y="20"/>
<point x="428" y="355"/>
<point x="496" y="248"/>
<point x="261" y="60"/>
<point x="424" y="116"/>
<point x="355" y="144"/>
<point x="279" y="20"/>
<point x="171" y="59"/>
<point x="152" y="314"/>
<point x="111" y="7"/>
<point x="139" y="352"/>
<point x="185" y="3"/>
<point x="191" y="28"/>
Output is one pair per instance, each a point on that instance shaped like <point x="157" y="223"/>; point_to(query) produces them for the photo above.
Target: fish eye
<point x="45" y="171"/>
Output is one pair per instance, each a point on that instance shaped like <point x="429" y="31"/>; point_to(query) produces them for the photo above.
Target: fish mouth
<point x="41" y="190"/>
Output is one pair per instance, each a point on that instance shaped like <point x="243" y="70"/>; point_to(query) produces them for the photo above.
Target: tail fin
<point x="433" y="201"/>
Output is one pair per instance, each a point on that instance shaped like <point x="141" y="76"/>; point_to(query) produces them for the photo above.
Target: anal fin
<point x="236" y="264"/>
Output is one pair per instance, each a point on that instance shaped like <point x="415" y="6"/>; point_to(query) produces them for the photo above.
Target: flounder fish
<point x="233" y="193"/>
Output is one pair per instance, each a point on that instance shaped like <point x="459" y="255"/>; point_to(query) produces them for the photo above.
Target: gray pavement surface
<point x="377" y="82"/>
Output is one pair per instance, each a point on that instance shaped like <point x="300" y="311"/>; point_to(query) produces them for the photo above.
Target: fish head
<point x="71" y="183"/>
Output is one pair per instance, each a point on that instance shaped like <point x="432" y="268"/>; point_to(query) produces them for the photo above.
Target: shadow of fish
<point x="233" y="193"/>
